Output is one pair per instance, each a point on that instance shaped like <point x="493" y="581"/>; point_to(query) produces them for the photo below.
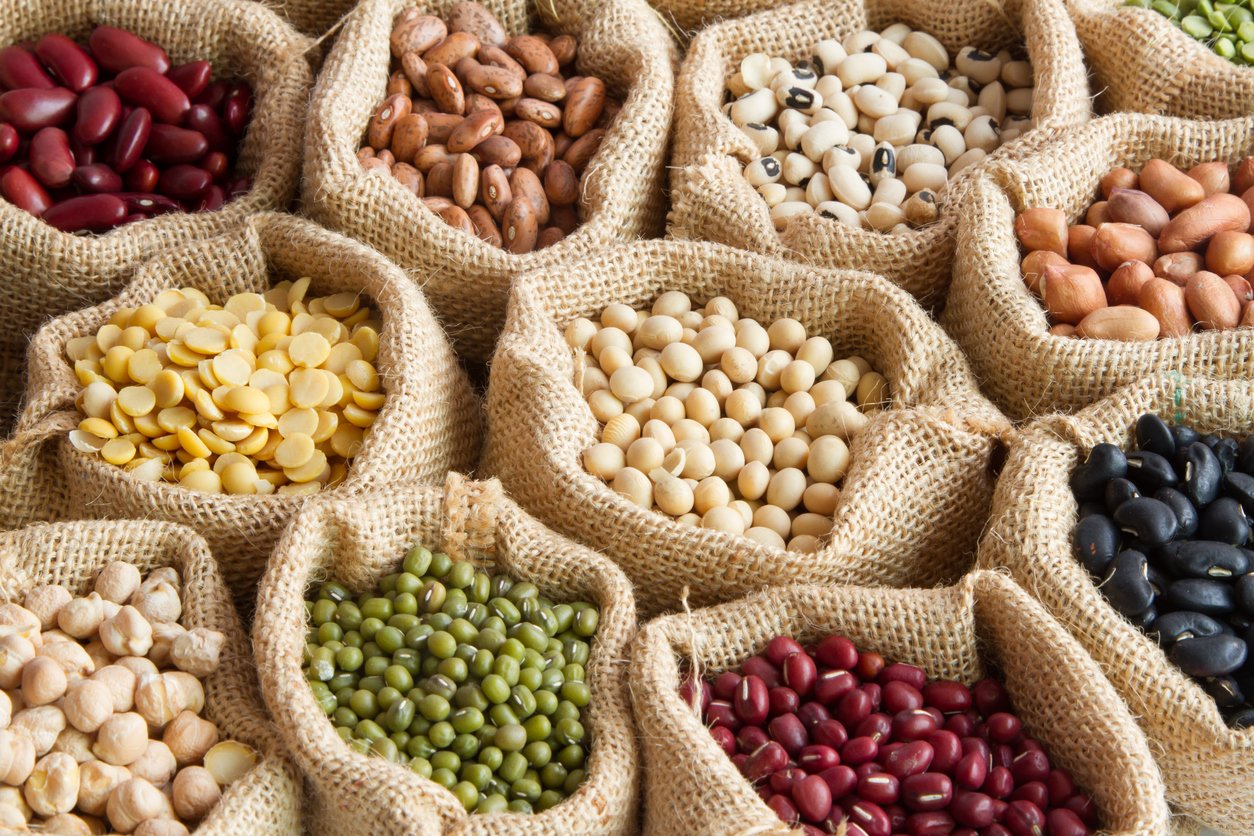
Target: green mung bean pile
<point x="1226" y="28"/>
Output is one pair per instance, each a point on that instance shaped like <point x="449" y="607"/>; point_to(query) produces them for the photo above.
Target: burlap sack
<point x="912" y="504"/>
<point x="267" y="799"/>
<point x="466" y="279"/>
<point x="1207" y="767"/>
<point x="1003" y="328"/>
<point x="315" y="18"/>
<point x="48" y="273"/>
<point x="356" y="541"/>
<point x="959" y="632"/>
<point x="429" y="425"/>
<point x="710" y="198"/>
<point x="1142" y="63"/>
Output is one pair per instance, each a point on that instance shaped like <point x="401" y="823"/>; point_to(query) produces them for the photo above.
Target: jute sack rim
<point x="710" y="151"/>
<point x="335" y="183"/>
<point x="475" y="521"/>
<point x="232" y="698"/>
<point x="808" y="612"/>
<point x="999" y="322"/>
<point x="279" y="100"/>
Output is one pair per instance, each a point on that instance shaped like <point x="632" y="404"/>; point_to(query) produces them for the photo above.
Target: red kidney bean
<point x="237" y="186"/>
<point x="780" y="648"/>
<point x="783" y="808"/>
<point x="22" y="190"/>
<point x="973" y="809"/>
<point x="946" y="750"/>
<point x="971" y="771"/>
<point x="960" y="724"/>
<point x="901" y="696"/>
<point x="97" y="179"/>
<point x="147" y="204"/>
<point x="837" y="652"/>
<point x="876" y="726"/>
<point x="990" y="697"/>
<point x="788" y="731"/>
<point x="50" y="159"/>
<point x="782" y="700"/>
<point x="1033" y="791"/>
<point x="911" y="758"/>
<point x="800" y="673"/>
<point x="721" y="713"/>
<point x="1061" y="786"/>
<point x="830" y="733"/>
<point x="761" y="668"/>
<point x="1025" y="819"/>
<point x="871" y="817"/>
<point x="859" y="750"/>
<point x="185" y="182"/>
<point x="831" y="686"/>
<point x="1063" y="822"/>
<point x="912" y="675"/>
<point x="117" y="50"/>
<point x="131" y="139"/>
<point x="817" y="757"/>
<point x="68" y="61"/>
<point x="192" y="78"/>
<point x="751" y="738"/>
<point x="841" y="780"/>
<point x="168" y="145"/>
<point x="145" y="88"/>
<point x="235" y="108"/>
<point x="812" y="798"/>
<point x="19" y="69"/>
<point x="98" y="112"/>
<point x="1004" y="727"/>
<point x="869" y="665"/>
<point x="202" y="118"/>
<point x="783" y="780"/>
<point x="880" y="787"/>
<point x="142" y="177"/>
<point x="913" y="725"/>
<point x="752" y="702"/>
<point x="1083" y="806"/>
<point x="936" y="823"/>
<point x="9" y="141"/>
<point x="999" y="783"/>
<point x="947" y="695"/>
<point x="854" y="707"/>
<point x="31" y="109"/>
<point x="813" y="713"/>
<point x="94" y="212"/>
<point x="130" y="219"/>
<point x="213" y="96"/>
<point x="770" y="757"/>
<point x="725" y="685"/>
<point x="725" y="740"/>
<point x="1032" y="765"/>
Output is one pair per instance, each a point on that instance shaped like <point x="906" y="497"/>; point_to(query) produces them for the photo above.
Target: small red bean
<point x="95" y="212"/>
<point x="880" y="787"/>
<point x="780" y="648"/>
<point x="68" y="61"/>
<point x="901" y="696"/>
<point x="999" y="783"/>
<point x="859" y="750"/>
<point x="31" y="109"/>
<point x="192" y="78"/>
<point x="751" y="738"/>
<point x="926" y="792"/>
<point x="913" y="725"/>
<point x="1033" y="791"/>
<point x="97" y="179"/>
<point x="18" y="187"/>
<point x="1024" y="819"/>
<point x="936" y="823"/>
<point x="870" y="665"/>
<point x="871" y="817"/>
<point x="145" y="88"/>
<point x="725" y="685"/>
<point x="960" y="724"/>
<point x="876" y="726"/>
<point x="771" y="757"/>
<point x="830" y="733"/>
<point x="837" y="652"/>
<point x="995" y="829"/>
<point x="947" y="695"/>
<point x="971" y="771"/>
<point x="788" y="731"/>
<point x="800" y="673"/>
<point x="973" y="809"/>
<point x="783" y="807"/>
<point x="946" y="750"/>
<point x="721" y="713"/>
<point x="841" y="780"/>
<point x="1063" y="822"/>
<point x="1004" y="728"/>
<point x="783" y="780"/>
<point x="854" y="707"/>
<point x="1083" y="806"/>
<point x="831" y="686"/>
<point x="760" y="667"/>
<point x="752" y="703"/>
<point x="694" y="691"/>
<point x="813" y="713"/>
<point x="1061" y="786"/>
<point x="117" y="50"/>
<point x="812" y="798"/>
<point x="783" y="701"/>
<point x="990" y="697"/>
<point x="725" y="739"/>
<point x="817" y="757"/>
<point x="1032" y="765"/>
<point x="912" y="675"/>
<point x="912" y="758"/>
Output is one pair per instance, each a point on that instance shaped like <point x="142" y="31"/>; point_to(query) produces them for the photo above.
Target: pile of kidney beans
<point x="92" y="138"/>
<point x="1164" y="531"/>
<point x="831" y="735"/>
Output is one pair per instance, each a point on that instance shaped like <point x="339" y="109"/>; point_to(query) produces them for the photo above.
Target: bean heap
<point x="269" y="392"/>
<point x="1227" y="28"/>
<point x="1165" y="531"/>
<point x="470" y="679"/>
<point x="1162" y="254"/>
<point x="871" y="128"/>
<point x="492" y="132"/>
<point x="723" y="424"/>
<point x="100" y="716"/>
<point x="840" y="741"/>
<point x="93" y="138"/>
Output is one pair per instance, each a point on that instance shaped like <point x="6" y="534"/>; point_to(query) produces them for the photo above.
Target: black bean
<point x="1185" y="624"/>
<point x="1151" y="471"/>
<point x="1125" y="584"/>
<point x="1210" y="439"/>
<point x="1224" y="520"/>
<point x="1184" y="436"/>
<point x="1186" y="513"/>
<point x="1158" y="580"/>
<point x="1154" y="436"/>
<point x="1096" y="541"/>
<point x="1209" y="655"/>
<point x="1240" y="486"/>
<point x="1245" y="455"/>
<point x="1224" y="690"/>
<point x="1245" y="593"/>
<point x="1119" y="491"/>
<point x="1105" y="462"/>
<point x="1214" y="598"/>
<point x="1242" y="719"/>
<point x="1226" y="452"/>
<point x="1202" y="473"/>
<point x="1204" y="559"/>
<point x="1088" y="509"/>
<point x="1147" y="519"/>
<point x="1145" y="619"/>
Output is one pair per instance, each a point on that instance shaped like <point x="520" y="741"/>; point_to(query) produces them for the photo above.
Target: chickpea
<point x="135" y="801"/>
<point x="52" y="786"/>
<point x="195" y="793"/>
<point x="198" y="651"/>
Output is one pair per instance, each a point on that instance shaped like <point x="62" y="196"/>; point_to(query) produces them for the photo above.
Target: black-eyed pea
<point x="927" y="48"/>
<point x="948" y="140"/>
<point x="841" y="156"/>
<point x="883" y="163"/>
<point x="922" y="176"/>
<point x="759" y="106"/>
<point x="763" y="170"/>
<point x="889" y="190"/>
<point x="837" y="211"/>
<point x="970" y="157"/>
<point x="849" y="187"/>
<point x="915" y="70"/>
<point x="892" y="53"/>
<point x="883" y="216"/>
<point x="921" y="208"/>
<point x="1016" y="74"/>
<point x="993" y="99"/>
<point x="983" y="67"/>
<point x="930" y="91"/>
<point x="866" y="125"/>
<point x="818" y="190"/>
<point x="982" y="133"/>
<point x="897" y="128"/>
<point x="874" y="101"/>
<point x="736" y="85"/>
<point x="755" y="70"/>
<point x="1019" y="101"/>
<point x="829" y="53"/>
<point x="798" y="169"/>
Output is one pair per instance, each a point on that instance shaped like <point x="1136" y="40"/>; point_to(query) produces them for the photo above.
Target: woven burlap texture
<point x="915" y="497"/>
<point x="356" y="541"/>
<point x="315" y="18"/>
<point x="1206" y="766"/>
<point x="429" y="425"/>
<point x="692" y="787"/>
<point x="48" y="273"/>
<point x="1003" y="328"/>
<point x="710" y="198"/>
<point x="267" y="799"/>
<point x="1143" y="64"/>
<point x="466" y="279"/>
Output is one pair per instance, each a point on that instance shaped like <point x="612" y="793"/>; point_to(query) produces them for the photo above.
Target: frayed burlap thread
<point x="711" y="200"/>
<point x="692" y="787"/>
<point x="356" y="541"/>
<point x="315" y="18"/>
<point x="466" y="279"/>
<point x="915" y="497"/>
<point x="1207" y="767"/>
<point x="47" y="272"/>
<point x="429" y="424"/>
<point x="1003" y="328"/>
<point x="264" y="802"/>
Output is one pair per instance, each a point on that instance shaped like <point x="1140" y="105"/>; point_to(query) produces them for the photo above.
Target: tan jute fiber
<point x="429" y="424"/>
<point x="1143" y="64"/>
<point x="1207" y="767"/>
<point x="315" y="18"/>
<point x="1001" y="325"/>
<point x="710" y="198"/>
<point x="467" y="280"/>
<point x="912" y="503"/>
<point x="355" y="542"/>
<point x="47" y="272"/>
<point x="984" y="625"/>
<point x="264" y="802"/>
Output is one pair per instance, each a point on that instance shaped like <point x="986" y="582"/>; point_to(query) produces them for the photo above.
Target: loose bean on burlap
<point x="429" y="424"/>
<point x="267" y="799"/>
<point x="1142" y="63"/>
<point x="466" y="279"/>
<point x="48" y="272"/>
<point x="355" y="542"/>
<point x="1003" y="328"/>
<point x="917" y="492"/>
<point x="985" y="624"/>
<point x="711" y="200"/>
<point x="1207" y="767"/>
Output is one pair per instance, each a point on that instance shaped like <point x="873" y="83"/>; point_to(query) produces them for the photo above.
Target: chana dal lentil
<point x="270" y="392"/>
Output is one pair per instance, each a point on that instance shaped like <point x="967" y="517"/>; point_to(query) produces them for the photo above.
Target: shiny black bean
<point x="1125" y="583"/>
<point x="1242" y="719"/>
<point x="1224" y="690"/>
<point x="1147" y="519"/>
<point x="1209" y="655"/>
<point x="1204" y="559"/>
<point x="1186" y="513"/>
<point x="1214" y="598"/>
<point x="1245" y="455"/>
<point x="1096" y="541"/>
<point x="1245" y="593"/>
<point x="1210" y="439"/>
<point x="1145" y="619"/>
<point x="1105" y="462"/>
<point x="1184" y="436"/>
<point x="1151" y="471"/>
<point x="1226" y="452"/>
<point x="1088" y="509"/>
<point x="1154" y="436"/>
<point x="1119" y="491"/>
<point x="1171" y="627"/>
<point x="1224" y="521"/>
<point x="1240" y="486"/>
<point x="1158" y="579"/>
<point x="1202" y="473"/>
